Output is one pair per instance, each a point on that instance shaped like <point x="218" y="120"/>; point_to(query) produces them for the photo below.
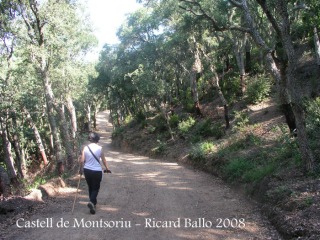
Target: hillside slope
<point x="257" y="155"/>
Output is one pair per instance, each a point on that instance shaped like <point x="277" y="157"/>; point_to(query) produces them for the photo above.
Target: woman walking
<point x="90" y="165"/>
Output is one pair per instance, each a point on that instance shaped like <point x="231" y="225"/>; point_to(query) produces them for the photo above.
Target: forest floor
<point x="143" y="198"/>
<point x="289" y="199"/>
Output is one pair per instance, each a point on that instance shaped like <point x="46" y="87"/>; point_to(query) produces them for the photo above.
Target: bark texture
<point x="7" y="151"/>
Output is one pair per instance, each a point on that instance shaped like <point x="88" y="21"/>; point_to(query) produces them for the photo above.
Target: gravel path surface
<point x="145" y="198"/>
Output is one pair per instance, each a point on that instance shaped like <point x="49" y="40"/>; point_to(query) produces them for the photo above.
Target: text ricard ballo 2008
<point x="218" y="223"/>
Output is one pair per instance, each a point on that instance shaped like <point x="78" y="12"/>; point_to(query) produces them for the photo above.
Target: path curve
<point x="145" y="198"/>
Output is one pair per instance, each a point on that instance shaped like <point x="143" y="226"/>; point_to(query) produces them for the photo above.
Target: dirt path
<point x="149" y="199"/>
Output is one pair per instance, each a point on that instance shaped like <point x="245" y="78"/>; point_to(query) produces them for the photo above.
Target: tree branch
<point x="211" y="19"/>
<point x="235" y="3"/>
<point x="269" y="15"/>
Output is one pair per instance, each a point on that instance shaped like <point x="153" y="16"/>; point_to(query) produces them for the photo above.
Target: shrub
<point x="37" y="181"/>
<point x="313" y="126"/>
<point x="151" y="129"/>
<point x="143" y="124"/>
<point x="258" y="173"/>
<point x="188" y="102"/>
<point x="218" y="130"/>
<point x="207" y="129"/>
<point x="313" y="118"/>
<point x="237" y="167"/>
<point x="239" y="144"/>
<point x="258" y="89"/>
<point x="287" y="151"/>
<point x="174" y="120"/>
<point x="117" y="132"/>
<point x="248" y="169"/>
<point x="241" y="119"/>
<point x="203" y="128"/>
<point x="279" y="193"/>
<point x="160" y="148"/>
<point x="231" y="88"/>
<point x="202" y="151"/>
<point x="140" y="117"/>
<point x="185" y="126"/>
<point x="160" y="124"/>
<point x="128" y="119"/>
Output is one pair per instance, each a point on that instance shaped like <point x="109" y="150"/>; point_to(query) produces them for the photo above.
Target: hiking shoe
<point x="92" y="208"/>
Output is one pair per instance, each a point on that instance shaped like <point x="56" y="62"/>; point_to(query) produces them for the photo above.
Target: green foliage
<point x="260" y="172"/>
<point x="202" y="151"/>
<point x="218" y="130"/>
<point x="231" y="88"/>
<point x="279" y="193"/>
<point x="249" y="169"/>
<point x="256" y="67"/>
<point x="174" y="120"/>
<point x="160" y="148"/>
<point x="151" y="129"/>
<point x="203" y="128"/>
<point x="237" y="167"/>
<point x="206" y="128"/>
<point x="37" y="181"/>
<point x="118" y="132"/>
<point x="258" y="89"/>
<point x="188" y="102"/>
<point x="313" y="118"/>
<point x="128" y="119"/>
<point x="185" y="126"/>
<point x="264" y="161"/>
<point x="161" y="124"/>
<point x="241" y="119"/>
<point x="287" y="149"/>
<point x="140" y="117"/>
<point x="308" y="201"/>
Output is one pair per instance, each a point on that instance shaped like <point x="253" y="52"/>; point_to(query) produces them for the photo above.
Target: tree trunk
<point x="286" y="109"/>
<point x="163" y="111"/>
<point x="97" y="105"/>
<point x="194" y="92"/>
<point x="282" y="89"/>
<point x="248" y="56"/>
<point x="302" y="138"/>
<point x="194" y="76"/>
<point x="73" y="116"/>
<point x="14" y="139"/>
<point x="216" y="84"/>
<point x="65" y="136"/>
<point x="63" y="126"/>
<point x="41" y="60"/>
<point x="89" y="117"/>
<point x="178" y="84"/>
<point x="238" y="51"/>
<point x="290" y="83"/>
<point x="270" y="62"/>
<point x="37" y="136"/>
<point x="317" y="47"/>
<point x="296" y="95"/>
<point x="8" y="154"/>
<point x="95" y="119"/>
<point x="52" y="121"/>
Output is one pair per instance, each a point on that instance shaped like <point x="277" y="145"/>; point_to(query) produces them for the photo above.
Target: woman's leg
<point x="93" y="179"/>
<point x="97" y="177"/>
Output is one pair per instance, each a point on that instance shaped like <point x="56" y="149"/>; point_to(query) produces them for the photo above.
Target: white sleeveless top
<point x="89" y="160"/>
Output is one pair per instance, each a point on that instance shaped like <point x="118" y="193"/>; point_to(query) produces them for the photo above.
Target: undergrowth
<point x="241" y="155"/>
<point x="245" y="157"/>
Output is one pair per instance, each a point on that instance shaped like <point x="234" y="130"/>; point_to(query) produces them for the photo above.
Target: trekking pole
<point x="75" y="197"/>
